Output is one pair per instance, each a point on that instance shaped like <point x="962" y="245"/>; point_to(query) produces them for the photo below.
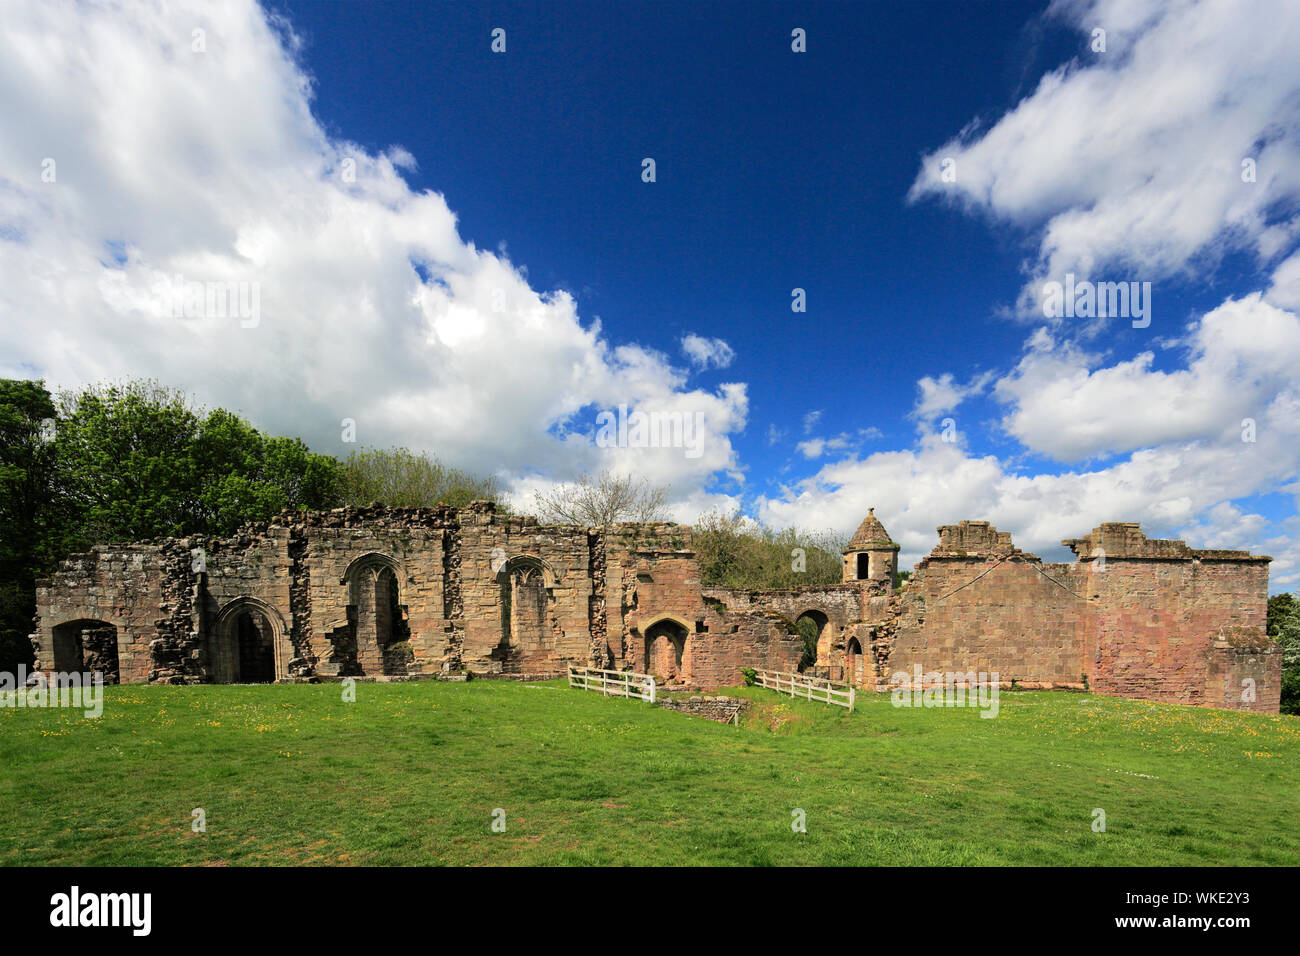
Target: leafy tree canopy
<point x="401" y="478"/>
<point x="138" y="461"/>
<point x="1284" y="627"/>
<point x="735" y="551"/>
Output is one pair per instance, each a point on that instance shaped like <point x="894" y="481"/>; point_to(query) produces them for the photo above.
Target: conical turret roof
<point x="871" y="534"/>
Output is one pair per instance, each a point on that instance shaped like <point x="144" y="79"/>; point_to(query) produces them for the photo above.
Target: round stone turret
<point x="871" y="554"/>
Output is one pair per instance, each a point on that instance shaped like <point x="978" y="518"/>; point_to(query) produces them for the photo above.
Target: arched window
<point x="524" y="600"/>
<point x="376" y="616"/>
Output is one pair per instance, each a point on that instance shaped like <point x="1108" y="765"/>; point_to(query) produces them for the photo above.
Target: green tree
<point x="244" y="476"/>
<point x="735" y="551"/>
<point x="1284" y="627"/>
<point x="126" y="461"/>
<point x="27" y="508"/>
<point x="401" y="478"/>
<point x="138" y="461"/>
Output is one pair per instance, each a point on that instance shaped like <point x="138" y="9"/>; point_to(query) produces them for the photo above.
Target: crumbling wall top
<point x="975" y="539"/>
<point x="1124" y="539"/>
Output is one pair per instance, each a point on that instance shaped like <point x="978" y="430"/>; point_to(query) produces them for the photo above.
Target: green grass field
<point x="411" y="773"/>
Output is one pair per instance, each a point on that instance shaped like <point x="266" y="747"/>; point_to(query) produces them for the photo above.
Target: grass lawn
<point x="411" y="773"/>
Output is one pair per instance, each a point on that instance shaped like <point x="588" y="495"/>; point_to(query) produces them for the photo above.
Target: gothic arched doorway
<point x="247" y="644"/>
<point x="255" y="648"/>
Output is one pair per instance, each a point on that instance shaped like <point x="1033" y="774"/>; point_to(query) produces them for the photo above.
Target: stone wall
<point x="377" y="592"/>
<point x="393" y="593"/>
<point x="724" y="710"/>
<point x="838" y="610"/>
<point x="1008" y="614"/>
<point x="117" y="587"/>
<point x="550" y="623"/>
<point x="1173" y="622"/>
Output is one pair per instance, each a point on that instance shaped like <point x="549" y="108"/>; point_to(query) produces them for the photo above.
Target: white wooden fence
<point x="613" y="683"/>
<point x="811" y="688"/>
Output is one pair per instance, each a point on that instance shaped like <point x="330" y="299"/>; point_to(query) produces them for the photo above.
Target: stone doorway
<point x="853" y="663"/>
<point x="256" y="649"/>
<point x="665" y="650"/>
<point x="246" y="644"/>
<point x="87" y="646"/>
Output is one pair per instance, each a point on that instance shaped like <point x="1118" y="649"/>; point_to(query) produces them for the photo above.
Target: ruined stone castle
<point x="377" y="592"/>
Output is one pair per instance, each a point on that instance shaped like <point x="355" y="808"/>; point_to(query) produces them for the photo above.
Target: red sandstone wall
<point x="240" y="567"/>
<point x="1160" y="620"/>
<point x="486" y="541"/>
<point x="652" y="574"/>
<point x="848" y="611"/>
<point x="982" y="614"/>
<point x="418" y="553"/>
<point x="1244" y="678"/>
<point x="734" y="641"/>
<point x="1155" y="620"/>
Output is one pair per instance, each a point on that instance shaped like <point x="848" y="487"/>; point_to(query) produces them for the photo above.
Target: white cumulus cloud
<point x="707" y="353"/>
<point x="172" y="165"/>
<point x="1131" y="159"/>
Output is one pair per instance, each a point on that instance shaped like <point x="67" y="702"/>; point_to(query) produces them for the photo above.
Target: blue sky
<point x="774" y="171"/>
<point x="496" y="272"/>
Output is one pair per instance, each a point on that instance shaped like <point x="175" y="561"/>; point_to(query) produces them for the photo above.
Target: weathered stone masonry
<point x="1131" y="617"/>
<point x="377" y="592"/>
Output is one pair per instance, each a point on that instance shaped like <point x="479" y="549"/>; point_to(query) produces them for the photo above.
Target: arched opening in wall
<point x="527" y="607"/>
<point x="811" y="626"/>
<point x="392" y="630"/>
<point x="525" y="626"/>
<point x="864" y="566"/>
<point x="853" y="662"/>
<point x="254" y="640"/>
<point x="247" y="644"/>
<point x="665" y="650"/>
<point x="376" y="639"/>
<point x="87" y="646"/>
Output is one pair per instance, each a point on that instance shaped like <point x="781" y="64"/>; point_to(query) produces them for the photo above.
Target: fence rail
<point x="818" y="689"/>
<point x="613" y="683"/>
